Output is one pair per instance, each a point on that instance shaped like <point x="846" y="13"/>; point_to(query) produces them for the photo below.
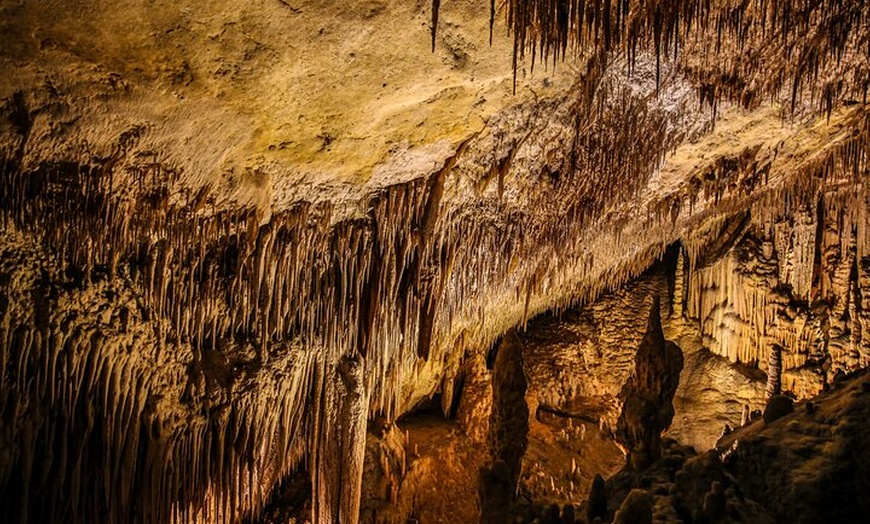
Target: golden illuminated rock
<point x="234" y="232"/>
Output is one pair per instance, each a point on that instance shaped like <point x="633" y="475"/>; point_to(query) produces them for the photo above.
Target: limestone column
<point x="339" y="446"/>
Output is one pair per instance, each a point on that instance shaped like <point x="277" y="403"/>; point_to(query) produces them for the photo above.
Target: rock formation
<point x="789" y="471"/>
<point x="811" y="465"/>
<point x="648" y="395"/>
<point x="496" y="492"/>
<point x="342" y="429"/>
<point x="636" y="509"/>
<point x="386" y="464"/>
<point x="508" y="431"/>
<point x="234" y="233"/>
<point x="596" y="504"/>
<point x="777" y="407"/>
<point x="774" y="372"/>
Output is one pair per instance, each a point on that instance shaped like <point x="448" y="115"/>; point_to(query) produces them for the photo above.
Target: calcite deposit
<point x="246" y="245"/>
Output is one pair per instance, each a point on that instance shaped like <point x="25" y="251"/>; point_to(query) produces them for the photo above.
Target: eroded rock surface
<point x="810" y="465"/>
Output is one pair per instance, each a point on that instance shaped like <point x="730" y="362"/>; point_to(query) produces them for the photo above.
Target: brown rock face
<point x="648" y="394"/>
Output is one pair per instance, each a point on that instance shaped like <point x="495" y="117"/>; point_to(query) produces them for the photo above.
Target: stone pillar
<point x="338" y="452"/>
<point x="774" y="372"/>
<point x="508" y="432"/>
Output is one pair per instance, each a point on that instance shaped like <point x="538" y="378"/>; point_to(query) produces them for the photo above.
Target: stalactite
<point x="436" y="7"/>
<point x="549" y="27"/>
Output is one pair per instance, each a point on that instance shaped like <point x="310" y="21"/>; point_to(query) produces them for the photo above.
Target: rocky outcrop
<point x="496" y="493"/>
<point x="682" y="486"/>
<point x="475" y="403"/>
<point x="807" y="466"/>
<point x="637" y="508"/>
<point x="810" y="466"/>
<point x="777" y="407"/>
<point x="509" y="420"/>
<point x="648" y="395"/>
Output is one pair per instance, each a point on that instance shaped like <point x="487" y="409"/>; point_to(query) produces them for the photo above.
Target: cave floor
<point x="440" y="485"/>
<point x="442" y="470"/>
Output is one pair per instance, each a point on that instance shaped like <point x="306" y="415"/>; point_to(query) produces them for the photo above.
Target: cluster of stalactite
<point x="265" y="343"/>
<point x="103" y="419"/>
<point x="729" y="47"/>
<point x="788" y="296"/>
<point x="270" y="341"/>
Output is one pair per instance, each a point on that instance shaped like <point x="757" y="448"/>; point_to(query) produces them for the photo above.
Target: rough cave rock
<point x="257" y="257"/>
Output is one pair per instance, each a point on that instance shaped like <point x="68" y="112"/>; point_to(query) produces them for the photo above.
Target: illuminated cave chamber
<point x="279" y="262"/>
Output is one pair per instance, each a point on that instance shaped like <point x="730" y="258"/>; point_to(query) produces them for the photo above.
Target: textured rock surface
<point x="810" y="465"/>
<point x="207" y="209"/>
<point x="636" y="508"/>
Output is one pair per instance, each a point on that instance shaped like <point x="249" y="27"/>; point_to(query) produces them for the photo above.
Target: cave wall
<point x="792" y="280"/>
<point x="731" y="293"/>
<point x="262" y="308"/>
<point x="237" y="306"/>
<point x="395" y="277"/>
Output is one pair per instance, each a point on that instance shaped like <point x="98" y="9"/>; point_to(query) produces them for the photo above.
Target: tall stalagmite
<point x="648" y="395"/>
<point x="508" y="430"/>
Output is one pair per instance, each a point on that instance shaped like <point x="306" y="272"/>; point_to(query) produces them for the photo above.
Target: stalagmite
<point x="774" y="372"/>
<point x="596" y="504"/>
<point x="648" y="394"/>
<point x="508" y="431"/>
<point x="510" y="414"/>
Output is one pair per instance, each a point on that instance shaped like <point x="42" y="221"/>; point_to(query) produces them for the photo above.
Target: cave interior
<point x="411" y="262"/>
